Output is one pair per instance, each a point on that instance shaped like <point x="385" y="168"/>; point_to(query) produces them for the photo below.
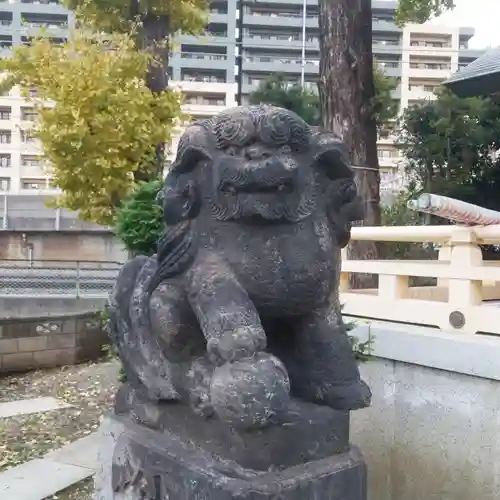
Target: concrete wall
<point x="37" y="332"/>
<point x="59" y="245"/>
<point x="433" y="431"/>
<point x="48" y="342"/>
<point x="46" y="307"/>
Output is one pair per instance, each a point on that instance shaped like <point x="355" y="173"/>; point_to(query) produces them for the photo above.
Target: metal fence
<point x="92" y="279"/>
<point x="30" y="212"/>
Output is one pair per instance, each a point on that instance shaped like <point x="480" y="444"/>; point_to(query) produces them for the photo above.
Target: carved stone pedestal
<point x="304" y="459"/>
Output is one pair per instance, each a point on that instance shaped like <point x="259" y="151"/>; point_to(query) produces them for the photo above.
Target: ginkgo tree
<point x="105" y="109"/>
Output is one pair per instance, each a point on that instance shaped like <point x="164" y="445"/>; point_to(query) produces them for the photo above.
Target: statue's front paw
<point x="345" y="397"/>
<point x="236" y="344"/>
<point x="162" y="389"/>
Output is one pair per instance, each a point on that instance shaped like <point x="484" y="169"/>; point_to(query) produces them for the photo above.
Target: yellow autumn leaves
<point x="102" y="122"/>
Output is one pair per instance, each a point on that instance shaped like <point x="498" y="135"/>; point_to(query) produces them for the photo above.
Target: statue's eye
<point x="232" y="151"/>
<point x="285" y="150"/>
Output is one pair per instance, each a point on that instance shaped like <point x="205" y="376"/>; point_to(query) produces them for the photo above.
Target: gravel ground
<point x="90" y="388"/>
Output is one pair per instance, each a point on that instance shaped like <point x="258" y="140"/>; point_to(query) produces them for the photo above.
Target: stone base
<point x="142" y="463"/>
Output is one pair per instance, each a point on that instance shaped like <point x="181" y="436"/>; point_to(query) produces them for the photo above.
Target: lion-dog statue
<point x="239" y="310"/>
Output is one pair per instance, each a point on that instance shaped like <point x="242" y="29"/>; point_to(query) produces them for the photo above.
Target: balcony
<point x="280" y="64"/>
<point x="429" y="70"/>
<point x="33" y="172"/>
<point x="470" y="54"/>
<point x="279" y="19"/>
<point x="432" y="49"/>
<point x="284" y="41"/>
<point x="390" y="68"/>
<point x="218" y="16"/>
<point x="381" y="25"/>
<point x="201" y="60"/>
<point x="381" y="47"/>
<point x="192" y="85"/>
<point x="387" y="138"/>
<point x="42" y="7"/>
<point x="391" y="160"/>
<point x="201" y="106"/>
<point x="422" y="92"/>
<point x="208" y="38"/>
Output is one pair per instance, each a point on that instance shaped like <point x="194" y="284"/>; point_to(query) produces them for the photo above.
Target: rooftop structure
<point x="480" y="77"/>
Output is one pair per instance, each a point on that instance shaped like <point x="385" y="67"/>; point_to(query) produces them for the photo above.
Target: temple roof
<point x="480" y="77"/>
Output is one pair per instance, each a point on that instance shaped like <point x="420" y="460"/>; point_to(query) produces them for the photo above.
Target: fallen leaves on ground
<point x="82" y="490"/>
<point x="90" y="388"/>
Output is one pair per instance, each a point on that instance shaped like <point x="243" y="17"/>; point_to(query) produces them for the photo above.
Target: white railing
<point x="467" y="286"/>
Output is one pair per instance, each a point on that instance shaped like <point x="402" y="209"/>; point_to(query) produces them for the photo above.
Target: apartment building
<point x="204" y="68"/>
<point x="420" y="57"/>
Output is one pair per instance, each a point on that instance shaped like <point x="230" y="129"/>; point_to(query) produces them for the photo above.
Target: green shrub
<point x="139" y="220"/>
<point x="362" y="350"/>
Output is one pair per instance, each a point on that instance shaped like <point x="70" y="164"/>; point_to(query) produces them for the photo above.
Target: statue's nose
<point x="257" y="153"/>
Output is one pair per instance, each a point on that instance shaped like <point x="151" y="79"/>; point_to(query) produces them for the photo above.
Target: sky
<point x="483" y="15"/>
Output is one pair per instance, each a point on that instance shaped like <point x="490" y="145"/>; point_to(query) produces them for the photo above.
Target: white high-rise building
<point x="22" y="167"/>
<point x="274" y="40"/>
<point x="429" y="55"/>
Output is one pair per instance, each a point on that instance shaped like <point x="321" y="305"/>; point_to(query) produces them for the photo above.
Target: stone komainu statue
<point x="239" y="309"/>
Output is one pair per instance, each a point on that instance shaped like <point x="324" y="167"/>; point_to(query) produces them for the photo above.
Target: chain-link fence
<point x="57" y="278"/>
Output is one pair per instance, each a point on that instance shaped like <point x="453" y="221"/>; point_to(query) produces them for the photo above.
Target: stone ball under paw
<point x="251" y="391"/>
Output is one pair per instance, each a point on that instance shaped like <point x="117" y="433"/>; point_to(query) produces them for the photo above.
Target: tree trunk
<point x="154" y="38"/>
<point x="346" y="91"/>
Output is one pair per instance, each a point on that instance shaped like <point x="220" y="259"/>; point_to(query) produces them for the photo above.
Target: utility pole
<point x="303" y="61"/>
<point x="239" y="48"/>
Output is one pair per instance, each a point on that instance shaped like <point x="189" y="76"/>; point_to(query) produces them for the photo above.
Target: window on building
<point x="5" y="112"/>
<point x="5" y="160"/>
<point x="43" y="2"/>
<point x="48" y="21"/>
<point x="218" y="10"/>
<point x="4" y="184"/>
<point x="388" y="153"/>
<point x="29" y="114"/>
<point x="30" y="161"/>
<point x="204" y="77"/>
<point x="27" y="137"/>
<point x="34" y="184"/>
<point x="5" y="136"/>
<point x="206" y="100"/>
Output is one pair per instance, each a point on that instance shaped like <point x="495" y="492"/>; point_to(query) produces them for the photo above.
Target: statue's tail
<point x="176" y="251"/>
<point x="143" y="361"/>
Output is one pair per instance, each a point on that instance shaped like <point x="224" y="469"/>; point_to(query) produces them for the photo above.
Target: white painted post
<point x="465" y="252"/>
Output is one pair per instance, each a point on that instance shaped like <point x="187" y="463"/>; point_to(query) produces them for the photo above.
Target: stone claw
<point x="348" y="397"/>
<point x="162" y="389"/>
<point x="236" y="344"/>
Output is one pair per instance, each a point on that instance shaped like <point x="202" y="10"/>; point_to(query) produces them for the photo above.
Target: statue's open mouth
<point x="284" y="187"/>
